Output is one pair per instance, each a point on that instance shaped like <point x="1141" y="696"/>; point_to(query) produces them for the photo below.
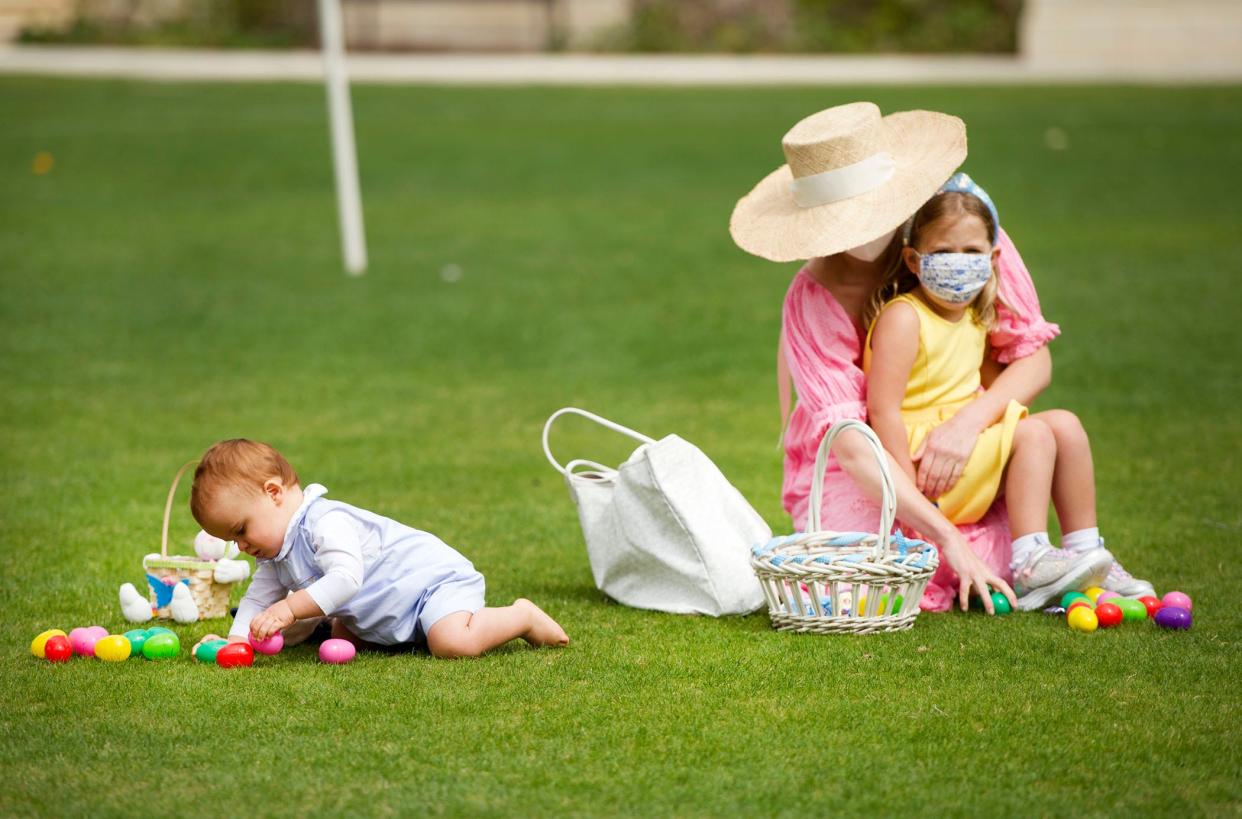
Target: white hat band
<point x="843" y="183"/>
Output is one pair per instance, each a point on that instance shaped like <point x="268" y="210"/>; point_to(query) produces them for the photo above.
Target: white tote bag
<point x="665" y="530"/>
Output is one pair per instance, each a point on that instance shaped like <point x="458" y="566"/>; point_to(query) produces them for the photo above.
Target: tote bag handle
<point x="604" y="422"/>
<point x="888" y="496"/>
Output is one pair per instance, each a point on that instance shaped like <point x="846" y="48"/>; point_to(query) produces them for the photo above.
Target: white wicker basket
<point x="828" y="582"/>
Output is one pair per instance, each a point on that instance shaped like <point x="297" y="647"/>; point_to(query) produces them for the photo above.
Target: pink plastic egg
<point x="83" y="640"/>
<point x="272" y="645"/>
<point x="1178" y="600"/>
<point x="1106" y="596"/>
<point x="336" y="651"/>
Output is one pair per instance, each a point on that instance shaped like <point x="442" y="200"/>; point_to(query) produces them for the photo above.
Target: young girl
<point x="924" y="357"/>
<point x="380" y="580"/>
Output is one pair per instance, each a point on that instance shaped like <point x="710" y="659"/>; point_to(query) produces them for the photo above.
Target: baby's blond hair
<point x="241" y="463"/>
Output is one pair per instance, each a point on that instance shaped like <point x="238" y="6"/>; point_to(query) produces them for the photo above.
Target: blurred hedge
<point x="841" y="26"/>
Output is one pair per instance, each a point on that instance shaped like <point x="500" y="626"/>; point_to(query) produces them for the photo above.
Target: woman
<point x="852" y="179"/>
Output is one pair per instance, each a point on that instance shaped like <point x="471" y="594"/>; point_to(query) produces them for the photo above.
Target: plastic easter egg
<point x="1000" y="603"/>
<point x="1174" y="617"/>
<point x="1178" y="601"/>
<point x="113" y="649"/>
<point x="1109" y="615"/>
<point x="1077" y="604"/>
<point x="154" y="630"/>
<point x="1132" y="609"/>
<point x="83" y="641"/>
<point x="1068" y="598"/>
<point x="272" y="645"/>
<point x="98" y="632"/>
<point x="1094" y="593"/>
<point x="36" y="645"/>
<point x="1055" y="611"/>
<point x="206" y="652"/>
<point x="136" y="638"/>
<point x="235" y="655"/>
<point x="161" y="646"/>
<point x="336" y="651"/>
<point x="1082" y="618"/>
<point x="1152" y="605"/>
<point x="57" y="649"/>
<point x="1106" y="596"/>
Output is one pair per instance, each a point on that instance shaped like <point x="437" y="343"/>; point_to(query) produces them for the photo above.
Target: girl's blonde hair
<point x="899" y="279"/>
<point x="240" y="463"/>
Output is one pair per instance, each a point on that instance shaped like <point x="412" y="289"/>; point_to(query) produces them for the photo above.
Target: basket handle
<point x="888" y="498"/>
<point x="172" y="490"/>
<point x="604" y="422"/>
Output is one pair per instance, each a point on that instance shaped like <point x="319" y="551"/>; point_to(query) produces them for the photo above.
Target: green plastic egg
<point x="162" y="646"/>
<point x="113" y="649"/>
<point x="136" y="638"/>
<point x="1000" y="603"/>
<point x="898" y="602"/>
<point x="1131" y="609"/>
<point x="154" y="630"/>
<point x="206" y="652"/>
<point x="1068" y="599"/>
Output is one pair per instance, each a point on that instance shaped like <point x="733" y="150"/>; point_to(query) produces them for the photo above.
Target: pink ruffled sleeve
<point x="1020" y="326"/>
<point x="824" y="353"/>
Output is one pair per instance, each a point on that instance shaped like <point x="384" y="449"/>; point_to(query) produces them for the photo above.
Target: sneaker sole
<point x="1080" y="577"/>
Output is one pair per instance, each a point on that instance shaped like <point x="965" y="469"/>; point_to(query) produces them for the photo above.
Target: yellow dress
<point x="945" y="378"/>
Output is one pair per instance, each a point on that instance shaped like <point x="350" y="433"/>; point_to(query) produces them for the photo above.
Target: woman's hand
<point x="944" y="452"/>
<point x="276" y="617"/>
<point x="973" y="573"/>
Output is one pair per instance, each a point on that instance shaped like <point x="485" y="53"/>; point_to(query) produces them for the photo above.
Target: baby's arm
<point x="894" y="347"/>
<point x="338" y="551"/>
<point x="265" y="590"/>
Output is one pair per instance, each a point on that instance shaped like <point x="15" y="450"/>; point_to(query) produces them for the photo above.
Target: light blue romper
<point x="411" y="578"/>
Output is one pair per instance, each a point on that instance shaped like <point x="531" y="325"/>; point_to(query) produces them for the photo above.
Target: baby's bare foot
<point x="543" y="631"/>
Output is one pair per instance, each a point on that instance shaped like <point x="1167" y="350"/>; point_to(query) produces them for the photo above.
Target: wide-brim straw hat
<point x="851" y="176"/>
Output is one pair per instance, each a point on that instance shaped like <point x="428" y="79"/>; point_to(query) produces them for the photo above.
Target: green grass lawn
<point x="175" y="280"/>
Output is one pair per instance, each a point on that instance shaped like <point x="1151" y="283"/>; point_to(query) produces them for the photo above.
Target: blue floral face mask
<point x="955" y="278"/>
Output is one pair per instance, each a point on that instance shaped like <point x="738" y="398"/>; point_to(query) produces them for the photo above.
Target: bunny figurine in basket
<point x="183" y="588"/>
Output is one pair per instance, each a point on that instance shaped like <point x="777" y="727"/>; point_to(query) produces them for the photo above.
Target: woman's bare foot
<point x="543" y="631"/>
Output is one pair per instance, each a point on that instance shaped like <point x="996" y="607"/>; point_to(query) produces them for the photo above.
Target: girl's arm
<point x="858" y="461"/>
<point x="894" y="347"/>
<point x="947" y="447"/>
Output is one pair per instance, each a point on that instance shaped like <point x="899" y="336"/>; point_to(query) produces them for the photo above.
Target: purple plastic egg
<point x="272" y="645"/>
<point x="1178" y="600"/>
<point x="1174" y="617"/>
<point x="336" y="651"/>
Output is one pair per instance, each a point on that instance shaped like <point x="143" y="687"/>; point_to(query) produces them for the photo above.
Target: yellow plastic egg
<point x="1094" y="593"/>
<point x="36" y="646"/>
<point x="1083" y="618"/>
<point x="113" y="649"/>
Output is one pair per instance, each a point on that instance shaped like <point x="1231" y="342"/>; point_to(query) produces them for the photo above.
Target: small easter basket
<point x="827" y="582"/>
<point x="211" y="597"/>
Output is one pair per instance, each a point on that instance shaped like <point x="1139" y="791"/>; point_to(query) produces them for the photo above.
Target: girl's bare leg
<point x="1073" y="481"/>
<point x="463" y="634"/>
<point x="1028" y="478"/>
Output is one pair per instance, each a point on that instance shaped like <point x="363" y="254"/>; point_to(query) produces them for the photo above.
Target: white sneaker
<point x="1050" y="572"/>
<point x="1126" y="584"/>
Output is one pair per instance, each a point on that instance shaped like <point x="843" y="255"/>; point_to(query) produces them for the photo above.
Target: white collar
<point x="309" y="495"/>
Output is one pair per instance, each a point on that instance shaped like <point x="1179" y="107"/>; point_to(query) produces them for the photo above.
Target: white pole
<point x="344" y="155"/>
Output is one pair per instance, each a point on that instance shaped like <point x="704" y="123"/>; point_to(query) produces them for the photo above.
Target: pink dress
<point x="823" y="347"/>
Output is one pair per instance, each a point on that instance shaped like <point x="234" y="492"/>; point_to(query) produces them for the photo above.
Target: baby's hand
<point x="276" y="617"/>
